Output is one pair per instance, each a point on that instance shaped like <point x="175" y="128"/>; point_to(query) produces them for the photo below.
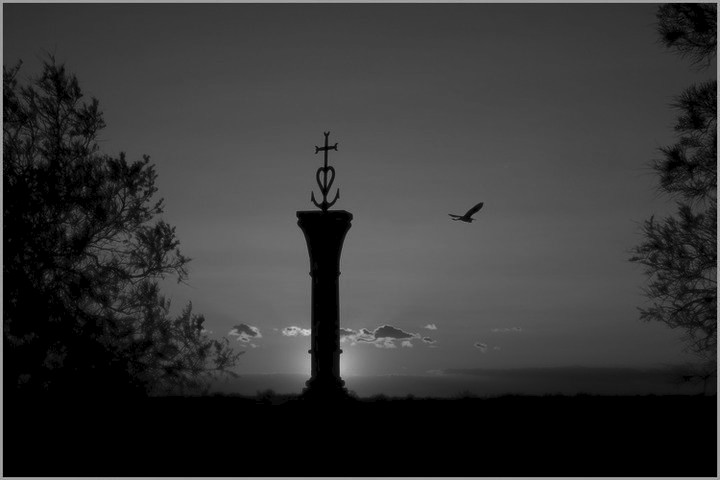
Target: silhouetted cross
<point x="325" y="186"/>
<point x="326" y="147"/>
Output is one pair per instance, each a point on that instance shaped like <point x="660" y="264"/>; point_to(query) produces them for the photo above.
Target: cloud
<point x="482" y="346"/>
<point x="245" y="333"/>
<point x="346" y="332"/>
<point x="365" y="333"/>
<point x="430" y="326"/>
<point x="294" y="331"/>
<point x="248" y="330"/>
<point x="383" y="336"/>
<point x="354" y="336"/>
<point x="388" y="331"/>
<point x="507" y="330"/>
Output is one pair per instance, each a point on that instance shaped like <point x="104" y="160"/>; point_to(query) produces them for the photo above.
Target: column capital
<point x="324" y="234"/>
<point x="311" y="216"/>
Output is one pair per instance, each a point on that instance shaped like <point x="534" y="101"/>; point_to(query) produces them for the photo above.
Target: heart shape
<point x="326" y="188"/>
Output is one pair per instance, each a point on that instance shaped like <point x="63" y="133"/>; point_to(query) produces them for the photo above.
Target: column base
<point x="333" y="390"/>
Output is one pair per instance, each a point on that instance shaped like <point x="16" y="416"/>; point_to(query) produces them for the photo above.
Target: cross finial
<point x="325" y="185"/>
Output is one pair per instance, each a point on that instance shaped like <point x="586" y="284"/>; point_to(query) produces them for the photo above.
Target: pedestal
<point x="324" y="233"/>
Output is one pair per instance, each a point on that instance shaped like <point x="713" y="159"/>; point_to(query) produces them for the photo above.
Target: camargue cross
<point x="324" y="186"/>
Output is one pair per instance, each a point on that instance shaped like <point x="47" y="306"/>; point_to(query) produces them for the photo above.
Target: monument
<point x="325" y="232"/>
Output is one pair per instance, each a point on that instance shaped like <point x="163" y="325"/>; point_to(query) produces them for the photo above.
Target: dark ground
<point x="240" y="437"/>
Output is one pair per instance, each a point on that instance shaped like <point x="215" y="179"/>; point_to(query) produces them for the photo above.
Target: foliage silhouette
<point x="83" y="255"/>
<point x="690" y="28"/>
<point x="680" y="252"/>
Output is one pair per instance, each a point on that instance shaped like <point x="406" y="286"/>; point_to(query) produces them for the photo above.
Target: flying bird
<point x="468" y="215"/>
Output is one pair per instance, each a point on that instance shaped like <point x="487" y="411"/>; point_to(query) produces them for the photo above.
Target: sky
<point x="547" y="113"/>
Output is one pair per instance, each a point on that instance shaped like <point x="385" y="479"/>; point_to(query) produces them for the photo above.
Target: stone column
<point x="324" y="233"/>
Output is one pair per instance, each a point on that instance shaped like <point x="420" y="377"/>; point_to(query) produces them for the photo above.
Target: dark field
<point x="280" y="436"/>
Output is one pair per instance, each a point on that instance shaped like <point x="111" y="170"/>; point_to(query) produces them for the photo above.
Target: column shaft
<point x="324" y="233"/>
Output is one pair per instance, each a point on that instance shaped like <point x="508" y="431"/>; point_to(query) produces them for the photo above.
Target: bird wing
<point x="474" y="209"/>
<point x="454" y="216"/>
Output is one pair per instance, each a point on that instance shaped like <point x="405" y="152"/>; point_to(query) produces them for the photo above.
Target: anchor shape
<point x="325" y="185"/>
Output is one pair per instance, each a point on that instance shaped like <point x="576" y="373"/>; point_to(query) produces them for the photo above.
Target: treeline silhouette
<point x="84" y="252"/>
<point x="282" y="435"/>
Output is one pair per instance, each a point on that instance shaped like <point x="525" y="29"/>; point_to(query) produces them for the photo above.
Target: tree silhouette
<point x="680" y="252"/>
<point x="690" y="28"/>
<point x="83" y="255"/>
